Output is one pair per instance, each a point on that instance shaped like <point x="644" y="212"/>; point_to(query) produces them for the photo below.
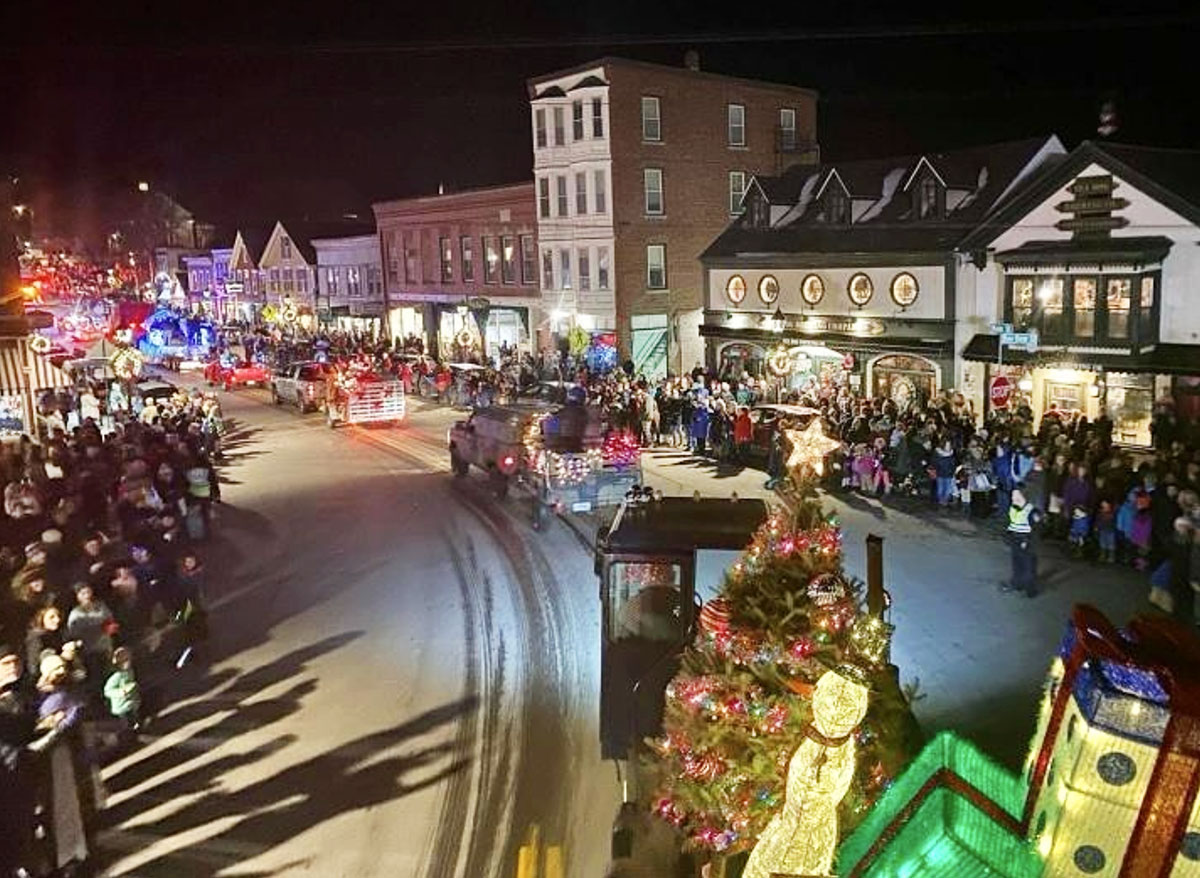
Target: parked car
<point x="767" y="420"/>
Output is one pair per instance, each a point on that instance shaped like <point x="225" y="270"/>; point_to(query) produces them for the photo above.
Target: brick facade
<point x="695" y="158"/>
<point x="410" y="231"/>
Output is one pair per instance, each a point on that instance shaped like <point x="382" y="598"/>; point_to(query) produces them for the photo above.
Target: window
<point x="528" y="260"/>
<point x="302" y="280"/>
<point x="508" y="259"/>
<point x="1147" y="330"/>
<point x="1119" y="290"/>
<point x="491" y="261"/>
<point x="331" y="282"/>
<point x="837" y="206"/>
<point x="812" y="289"/>
<point x="735" y="289"/>
<point x="597" y="117"/>
<point x="584" y="266"/>
<point x="1083" y="298"/>
<point x="652" y="183"/>
<point x="285" y="247"/>
<point x="1050" y="303"/>
<point x="447" y="260"/>
<point x="353" y="281"/>
<point x="544" y="197"/>
<point x="547" y="269"/>
<point x="737" y="191"/>
<point x="656" y="266"/>
<point x="1022" y="302"/>
<point x="577" y="120"/>
<point x="410" y="261"/>
<point x="287" y="280"/>
<point x="467" y="252"/>
<point x="737" y="125"/>
<point x="787" y="130"/>
<point x="539" y="127"/>
<point x="560" y="134"/>
<point x="904" y="289"/>
<point x="564" y="267"/>
<point x="928" y="198"/>
<point x="760" y="210"/>
<point x="393" y="267"/>
<point x="600" y="185"/>
<point x="768" y="289"/>
<point x="602" y="268"/>
<point x="651" y="120"/>
<point x="374" y="282"/>
<point x="860" y="289"/>
<point x="560" y="184"/>
<point x="581" y="194"/>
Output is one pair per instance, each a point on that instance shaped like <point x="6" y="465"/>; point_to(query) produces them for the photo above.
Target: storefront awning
<point x="15" y="356"/>
<point x="840" y="342"/>
<point x="1098" y="251"/>
<point x="1164" y="359"/>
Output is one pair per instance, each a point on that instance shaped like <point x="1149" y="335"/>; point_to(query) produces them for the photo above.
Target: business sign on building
<point x="842" y="325"/>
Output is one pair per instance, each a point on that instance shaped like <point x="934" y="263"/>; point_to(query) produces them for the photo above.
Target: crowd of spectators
<point x="100" y="581"/>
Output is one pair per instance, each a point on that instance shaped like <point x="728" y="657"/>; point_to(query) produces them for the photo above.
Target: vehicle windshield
<point x="645" y="601"/>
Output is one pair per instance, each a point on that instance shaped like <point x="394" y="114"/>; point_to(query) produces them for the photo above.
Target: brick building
<point x="637" y="167"/>
<point x="460" y="270"/>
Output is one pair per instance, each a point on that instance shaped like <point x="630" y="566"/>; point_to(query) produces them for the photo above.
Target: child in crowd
<point x="121" y="689"/>
<point x="1081" y="525"/>
<point x="1106" y="531"/>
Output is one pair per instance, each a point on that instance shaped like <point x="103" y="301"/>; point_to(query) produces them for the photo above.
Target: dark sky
<point x="253" y="110"/>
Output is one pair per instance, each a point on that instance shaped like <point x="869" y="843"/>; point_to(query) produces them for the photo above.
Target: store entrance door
<point x="906" y="380"/>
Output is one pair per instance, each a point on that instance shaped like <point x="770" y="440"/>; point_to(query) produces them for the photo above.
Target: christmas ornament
<point x="802" y="840"/>
<point x="714" y="616"/>
<point x="809" y="447"/>
<point x="826" y="589"/>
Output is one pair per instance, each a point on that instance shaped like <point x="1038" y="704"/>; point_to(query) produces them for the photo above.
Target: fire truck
<point x="358" y="395"/>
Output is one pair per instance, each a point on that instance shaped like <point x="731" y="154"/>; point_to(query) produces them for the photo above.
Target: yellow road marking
<point x="554" y="861"/>
<point x="527" y="856"/>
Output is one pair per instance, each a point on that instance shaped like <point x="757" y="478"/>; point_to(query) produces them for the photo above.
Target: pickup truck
<point x="301" y="385"/>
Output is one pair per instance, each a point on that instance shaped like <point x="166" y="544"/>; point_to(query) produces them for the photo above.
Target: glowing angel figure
<point x="802" y="838"/>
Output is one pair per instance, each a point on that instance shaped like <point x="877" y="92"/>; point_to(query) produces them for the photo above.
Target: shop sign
<point x="1000" y="392"/>
<point x="845" y="325"/>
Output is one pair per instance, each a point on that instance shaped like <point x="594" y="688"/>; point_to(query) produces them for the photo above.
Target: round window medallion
<point x="768" y="289"/>
<point x="735" y="289"/>
<point x="904" y="289"/>
<point x="1189" y="848"/>
<point x="1089" y="859"/>
<point x="813" y="289"/>
<point x="860" y="289"/>
<point x="1116" y="768"/>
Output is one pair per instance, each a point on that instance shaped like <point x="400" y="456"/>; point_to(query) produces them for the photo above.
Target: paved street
<point x="403" y="675"/>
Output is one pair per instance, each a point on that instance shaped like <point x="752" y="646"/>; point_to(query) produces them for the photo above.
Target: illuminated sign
<point x="845" y="325"/>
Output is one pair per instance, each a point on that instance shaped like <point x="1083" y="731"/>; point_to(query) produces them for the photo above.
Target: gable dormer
<point x="756" y="206"/>
<point x="927" y="190"/>
<point x="834" y="199"/>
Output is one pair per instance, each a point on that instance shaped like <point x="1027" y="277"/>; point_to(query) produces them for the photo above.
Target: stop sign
<point x="1000" y="391"/>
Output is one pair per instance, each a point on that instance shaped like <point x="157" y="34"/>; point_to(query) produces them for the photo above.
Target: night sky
<point x="250" y="111"/>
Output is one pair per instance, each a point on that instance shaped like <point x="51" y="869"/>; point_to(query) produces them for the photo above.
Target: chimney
<point x="691" y="60"/>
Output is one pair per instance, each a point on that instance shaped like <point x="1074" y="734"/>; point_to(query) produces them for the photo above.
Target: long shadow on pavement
<point x="298" y="798"/>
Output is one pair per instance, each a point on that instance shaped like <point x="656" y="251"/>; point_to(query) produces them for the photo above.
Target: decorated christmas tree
<point x="742" y="703"/>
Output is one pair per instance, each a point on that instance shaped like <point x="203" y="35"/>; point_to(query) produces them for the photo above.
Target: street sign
<point x="1001" y="328"/>
<point x="1000" y="392"/>
<point x="1027" y="340"/>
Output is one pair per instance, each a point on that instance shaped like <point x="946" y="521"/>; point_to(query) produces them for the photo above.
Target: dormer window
<point x="758" y="210"/>
<point x="837" y="206"/>
<point x="930" y="198"/>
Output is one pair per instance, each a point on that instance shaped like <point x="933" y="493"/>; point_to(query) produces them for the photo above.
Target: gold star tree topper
<point x="809" y="447"/>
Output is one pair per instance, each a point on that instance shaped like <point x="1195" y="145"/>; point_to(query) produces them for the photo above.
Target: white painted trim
<point x="923" y="161"/>
<point x="832" y="173"/>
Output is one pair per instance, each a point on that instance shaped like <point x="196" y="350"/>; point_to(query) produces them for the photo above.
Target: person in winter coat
<point x="743" y="434"/>
<point x="699" y="424"/>
<point x="943" y="465"/>
<point x="1077" y="499"/>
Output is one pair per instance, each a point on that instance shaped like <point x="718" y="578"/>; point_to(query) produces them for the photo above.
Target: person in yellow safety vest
<point x="1023" y="521"/>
